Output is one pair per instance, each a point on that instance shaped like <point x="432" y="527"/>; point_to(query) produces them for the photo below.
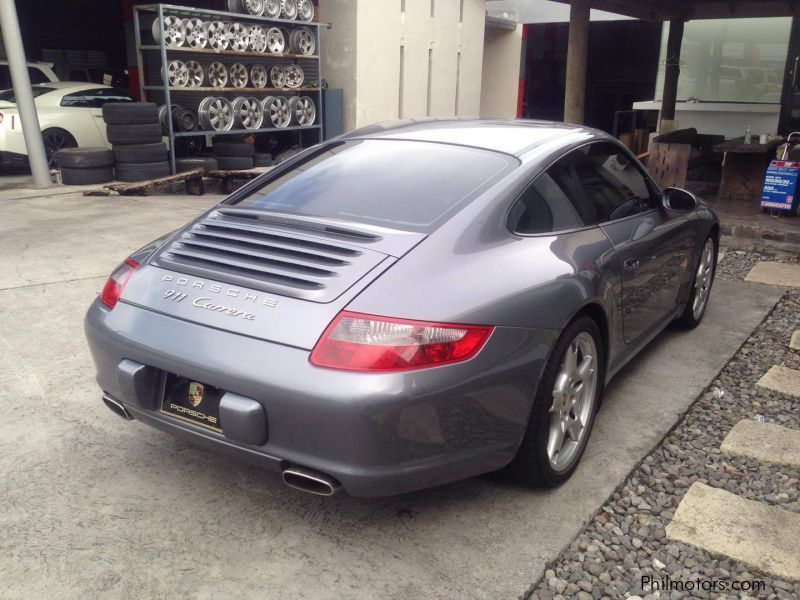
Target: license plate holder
<point x="191" y="401"/>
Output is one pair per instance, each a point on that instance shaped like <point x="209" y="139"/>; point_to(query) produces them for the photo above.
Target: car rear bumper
<point x="377" y="434"/>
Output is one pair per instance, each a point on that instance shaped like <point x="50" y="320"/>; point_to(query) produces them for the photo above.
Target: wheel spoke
<point x="574" y="429"/>
<point x="555" y="440"/>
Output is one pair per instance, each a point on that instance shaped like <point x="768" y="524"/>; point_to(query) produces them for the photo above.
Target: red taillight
<point x="112" y="290"/>
<point x="357" y="342"/>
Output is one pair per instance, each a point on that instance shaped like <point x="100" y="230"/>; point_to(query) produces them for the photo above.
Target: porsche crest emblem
<point x="196" y="393"/>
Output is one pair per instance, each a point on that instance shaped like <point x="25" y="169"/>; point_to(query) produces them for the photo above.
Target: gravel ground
<point x="626" y="539"/>
<point x="737" y="263"/>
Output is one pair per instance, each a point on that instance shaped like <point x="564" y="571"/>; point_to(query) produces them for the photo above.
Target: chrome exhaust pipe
<point x="117" y="407"/>
<point x="310" y="481"/>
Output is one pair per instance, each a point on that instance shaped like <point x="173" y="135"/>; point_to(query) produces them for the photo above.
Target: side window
<point x="5" y="77"/>
<point x="546" y="205"/>
<point x="97" y="97"/>
<point x="613" y="184"/>
<point x="74" y="100"/>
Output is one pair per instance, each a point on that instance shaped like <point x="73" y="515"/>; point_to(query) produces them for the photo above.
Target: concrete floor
<point x="96" y="506"/>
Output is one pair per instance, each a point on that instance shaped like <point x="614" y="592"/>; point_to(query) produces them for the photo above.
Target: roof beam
<point x="648" y="10"/>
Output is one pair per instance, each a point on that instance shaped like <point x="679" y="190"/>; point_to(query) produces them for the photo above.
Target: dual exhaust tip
<point x="299" y="478"/>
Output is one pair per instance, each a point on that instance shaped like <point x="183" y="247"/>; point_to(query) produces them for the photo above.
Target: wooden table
<point x="744" y="168"/>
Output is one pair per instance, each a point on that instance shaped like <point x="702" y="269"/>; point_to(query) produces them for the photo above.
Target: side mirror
<point x="678" y="200"/>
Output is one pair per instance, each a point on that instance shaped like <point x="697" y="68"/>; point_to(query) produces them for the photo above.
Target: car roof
<point x="72" y="85"/>
<point x="514" y="137"/>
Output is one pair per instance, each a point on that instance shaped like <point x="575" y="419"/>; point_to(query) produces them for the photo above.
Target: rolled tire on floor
<point x="134" y="134"/>
<point x="86" y="176"/>
<point x="234" y="149"/>
<point x="261" y="159"/>
<point x="141" y="171"/>
<point x="130" y="113"/>
<point x="84" y="158"/>
<point x="190" y="164"/>
<point x="140" y="153"/>
<point x="235" y="163"/>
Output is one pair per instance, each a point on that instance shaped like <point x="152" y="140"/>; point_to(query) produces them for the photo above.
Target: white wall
<point x="501" y="68"/>
<point x="362" y="55"/>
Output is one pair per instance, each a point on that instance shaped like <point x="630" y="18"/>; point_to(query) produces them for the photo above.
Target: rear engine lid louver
<point x="297" y="258"/>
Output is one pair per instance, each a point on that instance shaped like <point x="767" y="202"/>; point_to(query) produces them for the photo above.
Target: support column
<point x="672" y="71"/>
<point x="18" y="67"/>
<point x="577" y="56"/>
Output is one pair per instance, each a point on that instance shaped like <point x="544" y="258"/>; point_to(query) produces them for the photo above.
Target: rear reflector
<point x="358" y="342"/>
<point x="113" y="288"/>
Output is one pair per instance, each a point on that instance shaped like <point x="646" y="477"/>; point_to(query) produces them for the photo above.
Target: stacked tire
<point x="85" y="166"/>
<point x="134" y="131"/>
<point x="234" y="156"/>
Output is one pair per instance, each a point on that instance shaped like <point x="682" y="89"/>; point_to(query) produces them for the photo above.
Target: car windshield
<point x="400" y="184"/>
<point x="38" y="90"/>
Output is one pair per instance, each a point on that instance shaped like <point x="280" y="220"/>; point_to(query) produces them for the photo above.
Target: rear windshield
<point x="8" y="95"/>
<point x="405" y="185"/>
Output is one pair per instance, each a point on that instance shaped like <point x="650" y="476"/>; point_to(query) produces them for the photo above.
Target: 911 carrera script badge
<point x="196" y="393"/>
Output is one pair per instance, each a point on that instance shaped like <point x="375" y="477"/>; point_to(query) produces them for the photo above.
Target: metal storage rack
<point x="154" y="57"/>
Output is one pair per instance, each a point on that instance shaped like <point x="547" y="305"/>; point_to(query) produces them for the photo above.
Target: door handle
<point x="631" y="265"/>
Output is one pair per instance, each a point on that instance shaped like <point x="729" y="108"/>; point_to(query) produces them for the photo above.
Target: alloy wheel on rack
<point x="254" y="7"/>
<point x="289" y="9"/>
<point x="276" y="42"/>
<point x="194" y="73"/>
<point x="238" y="37"/>
<point x="217" y="34"/>
<point x="258" y="38"/>
<point x="248" y="112"/>
<point x="234" y="6"/>
<point x="302" y="110"/>
<point x="305" y="10"/>
<point x="302" y="41"/>
<point x="217" y="74"/>
<point x="277" y="76"/>
<point x="177" y="74"/>
<point x="272" y="9"/>
<point x="238" y="75"/>
<point x="173" y="32"/>
<point x="294" y="76"/>
<point x="195" y="33"/>
<point x="276" y="108"/>
<point x="258" y="76"/>
<point x="216" y="114"/>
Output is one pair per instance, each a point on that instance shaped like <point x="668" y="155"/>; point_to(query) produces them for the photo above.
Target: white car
<point x="70" y="115"/>
<point x="38" y="72"/>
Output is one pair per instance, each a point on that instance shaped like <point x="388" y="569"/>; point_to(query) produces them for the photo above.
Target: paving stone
<point x="782" y="380"/>
<point x="765" y="442"/>
<point x="794" y="344"/>
<point x="761" y="536"/>
<point x="775" y="273"/>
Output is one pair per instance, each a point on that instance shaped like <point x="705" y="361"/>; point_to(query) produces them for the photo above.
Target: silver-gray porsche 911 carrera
<point x="407" y="305"/>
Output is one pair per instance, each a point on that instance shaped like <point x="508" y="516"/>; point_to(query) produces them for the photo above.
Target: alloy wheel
<point x="54" y="141"/>
<point x="703" y="279"/>
<point x="574" y="397"/>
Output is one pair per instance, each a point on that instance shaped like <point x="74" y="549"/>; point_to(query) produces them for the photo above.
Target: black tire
<point x="189" y="164"/>
<point x="130" y="113"/>
<point x="687" y="319"/>
<point x="87" y="176"/>
<point x="234" y="149"/>
<point x="532" y="465"/>
<point x="84" y="158"/>
<point x="141" y="172"/>
<point x="134" y="134"/>
<point x="234" y="163"/>
<point x="140" y="153"/>
<point x="56" y="139"/>
<point x="262" y="160"/>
